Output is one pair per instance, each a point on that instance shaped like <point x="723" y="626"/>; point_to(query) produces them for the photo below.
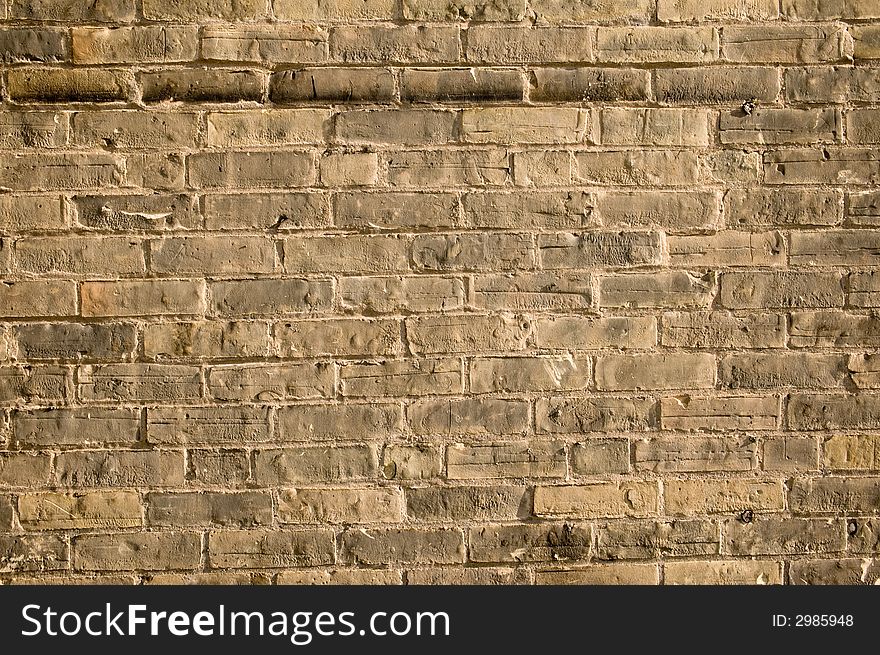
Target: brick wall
<point x="439" y="291"/>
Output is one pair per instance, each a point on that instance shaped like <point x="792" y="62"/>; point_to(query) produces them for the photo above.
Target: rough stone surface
<point x="439" y="292"/>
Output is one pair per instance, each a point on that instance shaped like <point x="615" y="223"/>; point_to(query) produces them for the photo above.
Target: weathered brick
<point x="771" y="207"/>
<point x="834" y="247"/>
<point x="866" y="41"/>
<point x="37" y="298"/>
<point x="143" y="297"/>
<point x="469" y="10"/>
<point x="311" y="423"/>
<point x="564" y="11"/>
<point x="723" y="330"/>
<point x="26" y="213"/>
<point x="123" y="552"/>
<point x="335" y="10"/>
<point x="594" y="414"/>
<point x="666" y="371"/>
<point x="658" y="127"/>
<point x="638" y="168"/>
<point x="864" y="537"/>
<point x="456" y="575"/>
<point x="349" y="169"/>
<point x="515" y="374"/>
<point x="201" y="85"/>
<point x="402" y="545"/>
<point x="121" y="213"/>
<point x="600" y="457"/>
<point x="658" y="44"/>
<point x="225" y="468"/>
<point x="600" y="249"/>
<point x="280" y="127"/>
<point x="463" y="252"/>
<point x="324" y="506"/>
<point x="695" y="454"/>
<point x="556" y="542"/>
<point x="444" y="168"/>
<point x="446" y="334"/>
<point x="863" y="126"/>
<point x="528" y="45"/>
<point x="468" y="503"/>
<point x="671" y="210"/>
<point x="819" y="9"/>
<point x="864" y="289"/>
<point x="398" y="44"/>
<point x="786" y="44"/>
<point x="212" y="255"/>
<point x="139" y="382"/>
<point x="417" y="377"/>
<point x="32" y="172"/>
<point x="596" y="333"/>
<point x="316" y="465"/>
<point x="461" y="84"/>
<point x="160" y="44"/>
<point x="832" y="84"/>
<point x="340" y="577"/>
<point x="157" y="170"/>
<point x="69" y="85"/>
<point x="780" y="126"/>
<point x="21" y="130"/>
<point x="833" y="412"/>
<point x="727" y="572"/>
<point x="195" y="509"/>
<point x="80" y="510"/>
<point x="649" y="540"/>
<point x="391" y="211"/>
<point x="271" y="549"/>
<point x="271" y="382"/>
<point x="518" y="210"/>
<point x="34" y="552"/>
<point x="270" y="297"/>
<point x="828" y="166"/>
<point x="212" y="578"/>
<point x="207" y="425"/>
<point x="98" y="257"/>
<point x="341" y="337"/>
<point x="688" y="497"/>
<point x="120" y="468"/>
<point x="33" y="384"/>
<point x="350" y="253"/>
<point x="785" y="289"/>
<point x="853" y="571"/>
<point x="406" y="126"/>
<point x="793" y="454"/>
<point x="206" y="339"/>
<point x="332" y="85"/>
<point x="828" y="494"/>
<point x="75" y="427"/>
<point x="702" y="10"/>
<point x="281" y="211"/>
<point x="265" y="43"/>
<point x="251" y="169"/>
<point x="122" y="11"/>
<point x="470" y="416"/>
<point x="535" y="291"/>
<point x="386" y="295"/>
<point x="623" y="573"/>
<point x="74" y="341"/>
<point x="721" y="414"/>
<point x="782" y="536"/>
<point x="768" y="371"/>
<point x="195" y="10"/>
<point x="519" y="459"/>
<point x="6" y="513"/>
<point x="601" y="499"/>
<point x="23" y="470"/>
<point x="588" y="84"/>
<point x="851" y="452"/>
<point x="412" y="462"/>
<point x="524" y="125"/>
<point x="728" y="85"/>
